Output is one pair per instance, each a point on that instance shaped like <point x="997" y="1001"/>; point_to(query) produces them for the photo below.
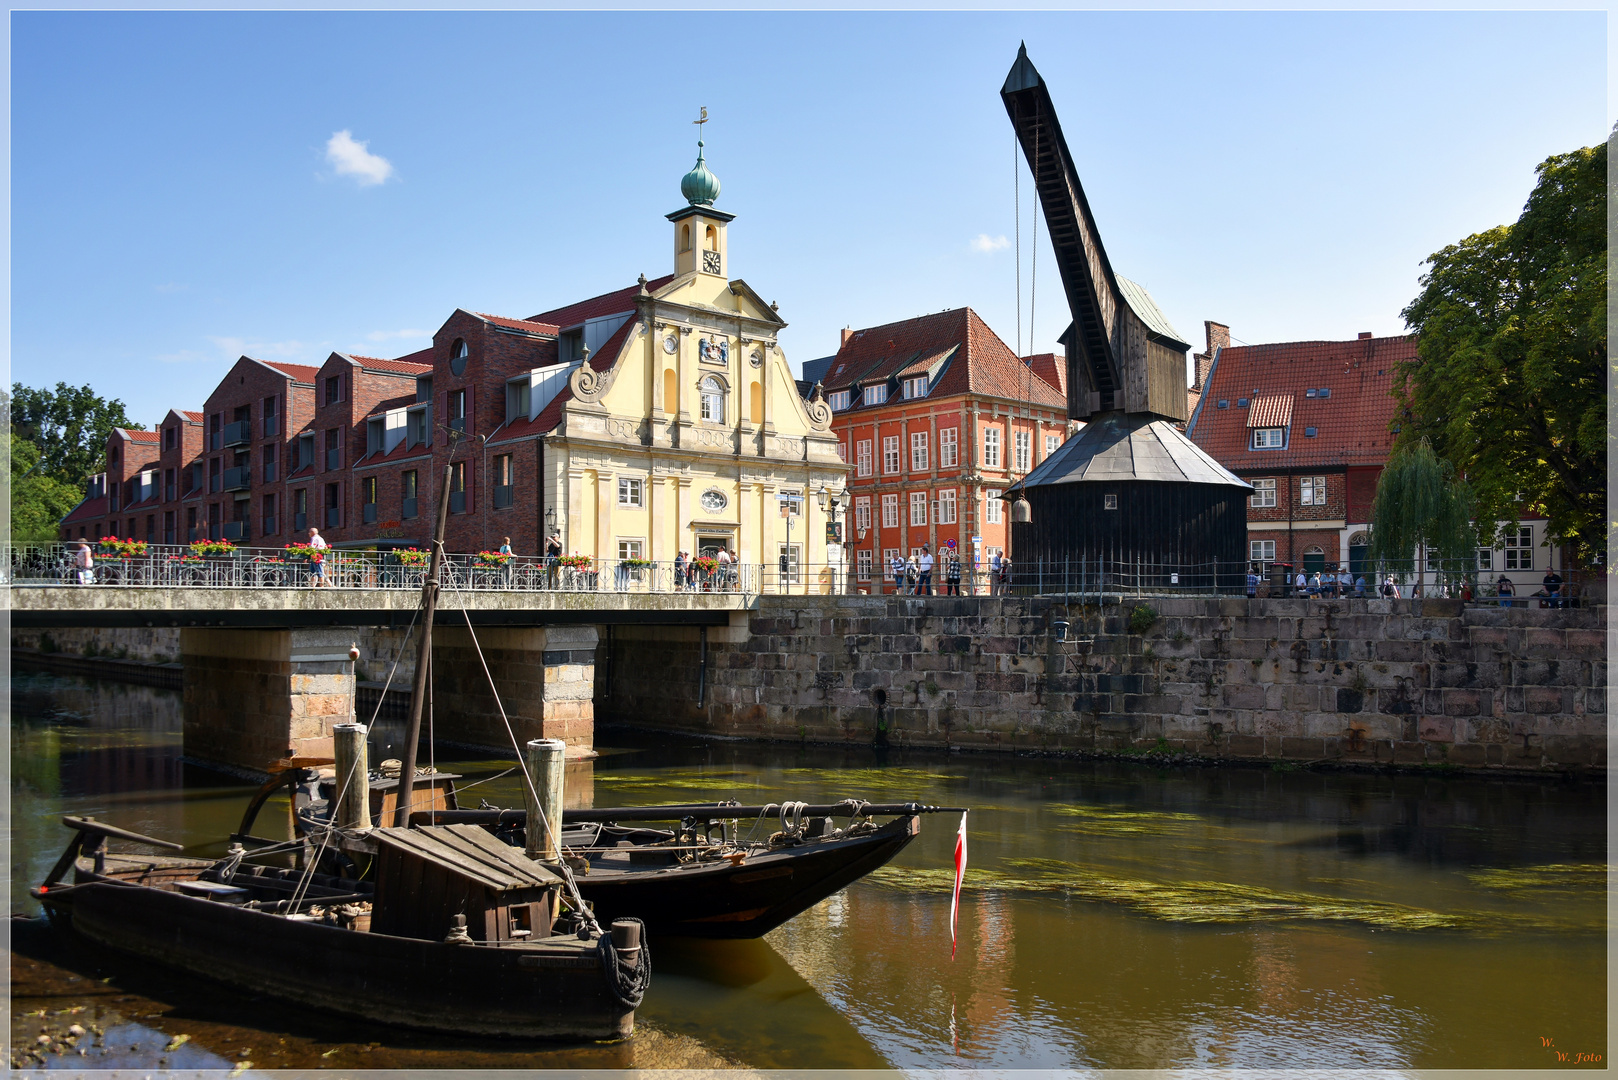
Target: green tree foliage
<point x="69" y="426"/>
<point x="39" y="501"/>
<point x="1419" y="502"/>
<point x="1510" y="383"/>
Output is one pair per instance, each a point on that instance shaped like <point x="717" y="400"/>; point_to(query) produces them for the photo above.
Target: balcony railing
<point x="269" y="526"/>
<point x="457" y="423"/>
<point x="504" y="495"/>
<point x="334" y="458"/>
<point x="272" y="426"/>
<point x="300" y="522"/>
<point x="334" y="517"/>
<point x="238" y="433"/>
<point x="368" y="513"/>
<point x="457" y="502"/>
<point x="270" y="471"/>
<point x="235" y="530"/>
<point x="408" y="508"/>
<point x="239" y="478"/>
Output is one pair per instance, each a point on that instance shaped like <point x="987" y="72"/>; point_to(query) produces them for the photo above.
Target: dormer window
<point x="875" y="395"/>
<point x="1269" y="438"/>
<point x="916" y="387"/>
<point x="838" y="400"/>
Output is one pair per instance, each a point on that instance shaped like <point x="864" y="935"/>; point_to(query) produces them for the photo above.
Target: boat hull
<point x="746" y="900"/>
<point x="549" y="989"/>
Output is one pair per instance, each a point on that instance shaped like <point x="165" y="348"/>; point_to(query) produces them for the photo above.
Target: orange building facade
<point x="936" y="417"/>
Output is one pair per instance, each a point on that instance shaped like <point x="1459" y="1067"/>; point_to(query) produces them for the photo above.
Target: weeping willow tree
<point x="1421" y="505"/>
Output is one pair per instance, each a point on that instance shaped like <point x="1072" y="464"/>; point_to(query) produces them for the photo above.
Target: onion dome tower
<point x="1130" y="497"/>
<point x="699" y="229"/>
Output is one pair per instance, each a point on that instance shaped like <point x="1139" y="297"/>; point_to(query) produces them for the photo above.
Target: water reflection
<point x="1115" y="916"/>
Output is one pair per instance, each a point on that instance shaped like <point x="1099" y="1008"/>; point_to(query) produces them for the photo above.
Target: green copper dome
<point x="699" y="186"/>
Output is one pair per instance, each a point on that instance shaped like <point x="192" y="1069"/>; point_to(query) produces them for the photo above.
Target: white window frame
<point x="1311" y="491"/>
<point x="838" y="400"/>
<point x="862" y="564"/>
<point x="887" y="561"/>
<point x="944" y="513"/>
<point x="947" y="456"/>
<point x="1256" y="551"/>
<point x="630" y="549"/>
<point x="915" y="388"/>
<point x="891" y="462"/>
<point x="874" y="395"/>
<point x="862" y="512"/>
<point x="794" y="554"/>
<point x="712" y="393"/>
<point x="1519" y="548"/>
<point x="890" y="511"/>
<point x="1051" y="444"/>
<point x="918" y="451"/>
<point x="991" y="447"/>
<point x="991" y="506"/>
<point x="1263" y="494"/>
<point x="632" y="491"/>
<point x="862" y="457"/>
<point x="1023" y="449"/>
<point x="1485" y="559"/>
<point x="842" y="452"/>
<point x="1269" y="438"/>
<point x="918" y="508"/>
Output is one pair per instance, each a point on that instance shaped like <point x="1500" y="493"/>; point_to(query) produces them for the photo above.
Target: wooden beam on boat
<point x="96" y="828"/>
<point x="710" y="811"/>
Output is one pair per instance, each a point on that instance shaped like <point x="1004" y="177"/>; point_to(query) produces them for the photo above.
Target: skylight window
<point x="1222" y="403"/>
<point x="1241" y="403"/>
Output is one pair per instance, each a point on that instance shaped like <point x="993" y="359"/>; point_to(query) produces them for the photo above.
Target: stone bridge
<point x="266" y="671"/>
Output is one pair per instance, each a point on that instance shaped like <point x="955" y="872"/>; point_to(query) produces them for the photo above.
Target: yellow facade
<point x="696" y="433"/>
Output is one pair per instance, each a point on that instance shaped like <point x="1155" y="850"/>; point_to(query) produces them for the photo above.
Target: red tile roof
<point x="88" y="510"/>
<point x="981" y="363"/>
<point x="401" y="367"/>
<point x="138" y="436"/>
<point x="532" y="326"/>
<point x="1351" y="424"/>
<point x="612" y="303"/>
<point x="298" y="372"/>
<point x="1051" y="368"/>
<point x="194" y="417"/>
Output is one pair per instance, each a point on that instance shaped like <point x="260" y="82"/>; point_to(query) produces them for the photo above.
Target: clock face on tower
<point x="713" y="500"/>
<point x="710" y="262"/>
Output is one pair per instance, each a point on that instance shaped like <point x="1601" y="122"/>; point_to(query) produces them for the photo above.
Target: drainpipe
<point x="702" y="666"/>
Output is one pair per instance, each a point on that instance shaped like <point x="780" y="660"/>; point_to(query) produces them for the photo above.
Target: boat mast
<point x="429" y="604"/>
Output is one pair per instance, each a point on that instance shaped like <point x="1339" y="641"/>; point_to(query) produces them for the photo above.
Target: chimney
<point x="847" y="333"/>
<point x="1365" y="335"/>
<point x="1218" y="337"/>
<point x="1217" y="334"/>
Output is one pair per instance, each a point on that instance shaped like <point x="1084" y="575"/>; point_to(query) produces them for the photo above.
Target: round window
<point x="713" y="500"/>
<point x="457" y="358"/>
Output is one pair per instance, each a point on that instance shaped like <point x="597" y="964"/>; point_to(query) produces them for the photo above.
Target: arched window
<point x="713" y="399"/>
<point x="710" y="239"/>
<point x="756" y="402"/>
<point x="685" y="237"/>
<point x="457" y="357"/>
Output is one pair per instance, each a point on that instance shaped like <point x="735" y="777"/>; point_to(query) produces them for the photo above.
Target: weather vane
<point x="704" y="119"/>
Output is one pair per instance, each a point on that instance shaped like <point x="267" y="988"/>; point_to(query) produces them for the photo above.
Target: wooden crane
<point x="1122" y="354"/>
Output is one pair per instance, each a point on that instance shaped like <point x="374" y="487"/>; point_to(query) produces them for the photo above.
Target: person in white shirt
<point x="924" y="582"/>
<point x="898" y="568"/>
<point x="1302" y="583"/>
<point x="84" y="561"/>
<point x="317" y="559"/>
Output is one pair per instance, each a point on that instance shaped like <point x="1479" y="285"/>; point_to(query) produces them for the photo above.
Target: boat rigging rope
<point x="553" y="829"/>
<point x="628" y="986"/>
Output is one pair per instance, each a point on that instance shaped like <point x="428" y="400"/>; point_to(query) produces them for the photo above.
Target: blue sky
<point x="176" y="201"/>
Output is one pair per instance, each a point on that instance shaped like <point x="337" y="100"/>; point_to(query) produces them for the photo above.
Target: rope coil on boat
<point x="626" y="984"/>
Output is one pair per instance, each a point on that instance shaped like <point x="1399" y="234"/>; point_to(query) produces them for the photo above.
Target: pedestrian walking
<point x="317" y="559"/>
<point x="679" y="571"/>
<point x="1005" y="574"/>
<point x="1505" y="590"/>
<point x="994" y="574"/>
<point x="952" y="575"/>
<point x="924" y="567"/>
<point x="1390" y="590"/>
<point x="912" y="575"/>
<point x="1252" y="581"/>
<point x="898" y="568"/>
<point x="84" y="562"/>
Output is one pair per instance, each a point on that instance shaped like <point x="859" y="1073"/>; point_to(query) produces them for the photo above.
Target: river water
<point x="1115" y="915"/>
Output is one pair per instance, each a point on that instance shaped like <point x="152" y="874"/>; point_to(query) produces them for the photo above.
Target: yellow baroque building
<point x="685" y="431"/>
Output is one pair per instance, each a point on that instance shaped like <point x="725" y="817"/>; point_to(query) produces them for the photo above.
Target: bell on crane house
<point x="1021" y="512"/>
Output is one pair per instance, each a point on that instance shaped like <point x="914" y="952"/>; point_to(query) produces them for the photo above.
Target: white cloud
<point x="390" y="335"/>
<point x="171" y="287"/>
<point x="983" y="242"/>
<point x="350" y="158"/>
<point x="234" y="347"/>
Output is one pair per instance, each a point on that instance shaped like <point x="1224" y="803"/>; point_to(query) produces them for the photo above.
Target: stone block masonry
<point x="1372" y="682"/>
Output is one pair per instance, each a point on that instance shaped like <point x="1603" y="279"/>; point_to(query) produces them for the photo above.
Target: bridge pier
<point x="545" y="677"/>
<point x="254" y="696"/>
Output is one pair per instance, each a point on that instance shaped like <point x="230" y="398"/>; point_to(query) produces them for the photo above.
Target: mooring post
<point x="353" y="777"/>
<point x="546" y="770"/>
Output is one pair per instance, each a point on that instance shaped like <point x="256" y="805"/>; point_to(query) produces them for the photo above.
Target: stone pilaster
<point x="545" y="678"/>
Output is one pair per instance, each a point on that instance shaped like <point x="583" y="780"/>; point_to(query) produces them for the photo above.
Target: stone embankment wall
<point x="1374" y="682"/>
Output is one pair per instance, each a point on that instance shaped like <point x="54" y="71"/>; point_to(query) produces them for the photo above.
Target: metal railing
<point x="1077" y="581"/>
